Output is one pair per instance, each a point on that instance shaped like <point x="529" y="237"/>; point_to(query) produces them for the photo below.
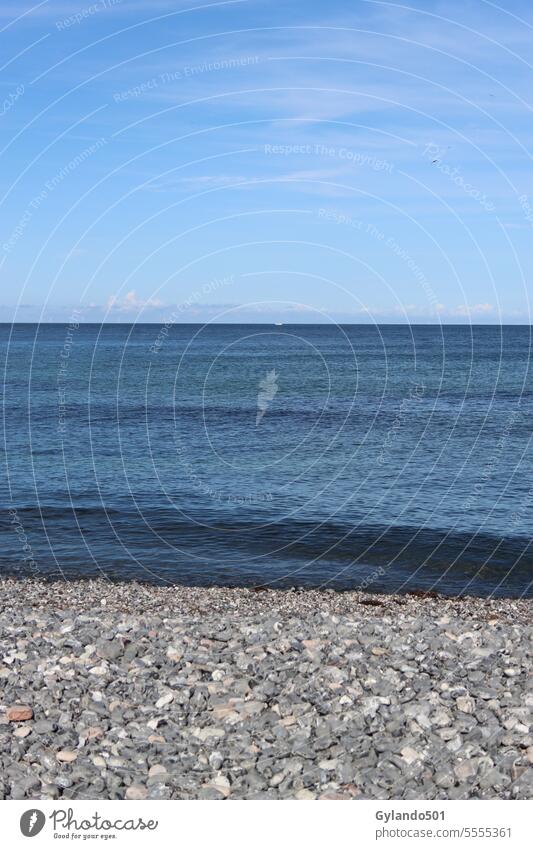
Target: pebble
<point x="216" y="760"/>
<point x="464" y="770"/>
<point x="304" y="794"/>
<point x="19" y="713"/>
<point x="22" y="732"/>
<point x="136" y="792"/>
<point x="164" y="700"/>
<point x="66" y="757"/>
<point x="218" y="693"/>
<point x="465" y="704"/>
<point x="157" y="769"/>
<point x="410" y="755"/>
<point x="109" y="649"/>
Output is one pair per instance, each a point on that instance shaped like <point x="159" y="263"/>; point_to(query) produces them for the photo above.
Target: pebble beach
<point x="131" y="691"/>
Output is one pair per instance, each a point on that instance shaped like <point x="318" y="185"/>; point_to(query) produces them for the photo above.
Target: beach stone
<point x="304" y="795"/>
<point x="66" y="756"/>
<point x="216" y="760"/>
<point x="226" y="693"/>
<point x="328" y="765"/>
<point x="157" y="769"/>
<point x="466" y="704"/>
<point x="164" y="700"/>
<point x="50" y="791"/>
<point x="19" y="713"/>
<point x="109" y="649"/>
<point x="410" y="755"/>
<point x="136" y="792"/>
<point x="44" y="726"/>
<point x="159" y="791"/>
<point x="211" y="793"/>
<point x="464" y="770"/>
<point x="444" y="778"/>
<point x="93" y="732"/>
<point x="222" y="785"/>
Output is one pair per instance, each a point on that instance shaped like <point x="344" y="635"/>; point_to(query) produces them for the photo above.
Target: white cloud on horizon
<point x="130" y="308"/>
<point x="130" y="302"/>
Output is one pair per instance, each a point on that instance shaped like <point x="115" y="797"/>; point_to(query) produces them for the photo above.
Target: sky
<point x="356" y="161"/>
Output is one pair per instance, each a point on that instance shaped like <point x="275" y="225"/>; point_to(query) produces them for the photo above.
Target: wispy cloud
<point x="466" y="310"/>
<point x="131" y="303"/>
<point x="137" y="309"/>
<point x="365" y="79"/>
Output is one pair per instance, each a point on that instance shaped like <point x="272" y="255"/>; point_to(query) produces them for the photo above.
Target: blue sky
<point x="261" y="161"/>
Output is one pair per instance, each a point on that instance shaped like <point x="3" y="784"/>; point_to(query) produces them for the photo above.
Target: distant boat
<point x="278" y="323"/>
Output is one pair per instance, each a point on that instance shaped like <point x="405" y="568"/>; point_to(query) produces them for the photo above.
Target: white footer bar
<point x="264" y="825"/>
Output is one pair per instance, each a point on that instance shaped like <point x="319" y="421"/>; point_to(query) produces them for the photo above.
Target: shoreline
<point x="134" y="691"/>
<point x="120" y="595"/>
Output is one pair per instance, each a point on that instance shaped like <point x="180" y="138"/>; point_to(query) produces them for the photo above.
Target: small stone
<point x="441" y="718"/>
<point x="50" y="791"/>
<point x="445" y="779"/>
<point x="22" y="732"/>
<point x="43" y="726"/>
<point x="447" y="733"/>
<point x="19" y="713"/>
<point x="252" y="708"/>
<point x="204" y="734"/>
<point x="109" y="649"/>
<point x="136" y="792"/>
<point x="66" y="756"/>
<point x="221" y="783"/>
<point x="157" y="769"/>
<point x="166" y="699"/>
<point x="466" y="704"/>
<point x="494" y="778"/>
<point x="93" y="732"/>
<point x="464" y="770"/>
<point x="332" y="795"/>
<point x="328" y="765"/>
<point x="215" y="760"/>
<point x="410" y="755"/>
<point x="304" y="794"/>
<point x="156" y="738"/>
<point x="174" y="654"/>
<point x="207" y="791"/>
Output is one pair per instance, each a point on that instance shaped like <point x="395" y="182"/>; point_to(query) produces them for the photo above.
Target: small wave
<point x="287" y="551"/>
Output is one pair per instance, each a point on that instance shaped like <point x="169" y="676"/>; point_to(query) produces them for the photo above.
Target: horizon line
<point x="272" y="323"/>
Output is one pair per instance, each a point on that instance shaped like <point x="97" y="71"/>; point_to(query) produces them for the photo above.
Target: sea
<point x="388" y="458"/>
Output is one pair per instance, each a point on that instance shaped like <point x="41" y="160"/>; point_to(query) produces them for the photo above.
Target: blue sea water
<point x="388" y="458"/>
